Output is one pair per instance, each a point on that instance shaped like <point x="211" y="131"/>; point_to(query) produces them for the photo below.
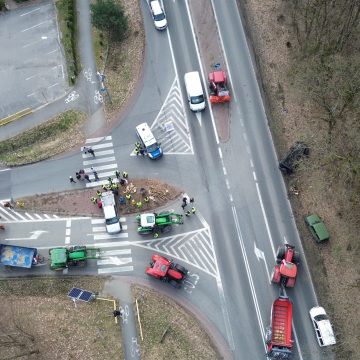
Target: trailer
<point x="18" y="256"/>
<point x="278" y="335"/>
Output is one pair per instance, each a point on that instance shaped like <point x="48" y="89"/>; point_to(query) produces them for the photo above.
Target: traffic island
<point x="78" y="202"/>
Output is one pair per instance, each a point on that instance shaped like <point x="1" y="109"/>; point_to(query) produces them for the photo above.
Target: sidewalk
<point x="119" y="288"/>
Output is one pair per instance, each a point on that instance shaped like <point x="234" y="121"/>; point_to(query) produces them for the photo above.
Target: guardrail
<point x="15" y="116"/>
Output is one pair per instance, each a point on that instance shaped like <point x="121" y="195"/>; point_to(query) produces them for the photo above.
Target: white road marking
<point x="108" y="236"/>
<point x="115" y="270"/>
<point x="30" y="12"/>
<point x="98" y="161"/>
<point x="37" y="25"/>
<point x="113" y="260"/>
<point x="115" y="252"/>
<point x="95" y="140"/>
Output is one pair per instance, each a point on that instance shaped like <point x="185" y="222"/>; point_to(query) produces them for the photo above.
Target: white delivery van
<point x="194" y="91"/>
<point x="112" y="221"/>
<point x="158" y="15"/>
<point x="148" y="141"/>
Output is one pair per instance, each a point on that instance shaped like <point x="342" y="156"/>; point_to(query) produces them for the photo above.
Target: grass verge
<point x="41" y="322"/>
<point x="68" y="29"/>
<point x="43" y="141"/>
<point x="169" y="331"/>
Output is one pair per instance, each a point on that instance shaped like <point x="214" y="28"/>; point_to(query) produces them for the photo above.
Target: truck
<point x="278" y="335"/>
<point x="112" y="221"/>
<point x="155" y="223"/>
<point x="18" y="256"/>
<point x="65" y="257"/>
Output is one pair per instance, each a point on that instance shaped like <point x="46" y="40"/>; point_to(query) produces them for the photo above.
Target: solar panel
<point x="86" y="296"/>
<point x="80" y="294"/>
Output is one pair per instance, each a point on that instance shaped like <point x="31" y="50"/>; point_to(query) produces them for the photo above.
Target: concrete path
<point x="119" y="288"/>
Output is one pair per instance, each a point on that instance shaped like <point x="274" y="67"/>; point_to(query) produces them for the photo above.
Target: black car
<point x="295" y="153"/>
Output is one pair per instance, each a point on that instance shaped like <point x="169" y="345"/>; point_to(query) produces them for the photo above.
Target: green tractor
<point x="152" y="223"/>
<point x="63" y="257"/>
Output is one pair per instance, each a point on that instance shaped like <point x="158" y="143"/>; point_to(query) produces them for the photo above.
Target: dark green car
<point x="317" y="228"/>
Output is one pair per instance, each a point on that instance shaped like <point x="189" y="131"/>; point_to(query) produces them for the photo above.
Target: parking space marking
<point x="30" y="12"/>
<point x="37" y="25"/>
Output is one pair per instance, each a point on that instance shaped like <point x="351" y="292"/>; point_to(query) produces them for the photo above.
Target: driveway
<point x="32" y="65"/>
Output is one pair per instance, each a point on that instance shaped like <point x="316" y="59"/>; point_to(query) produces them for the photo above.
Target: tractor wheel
<point x="166" y="229"/>
<point x="275" y="275"/>
<point x="175" y="284"/>
<point x="165" y="213"/>
<point x="280" y="252"/>
<point x="296" y="258"/>
<point x="181" y="269"/>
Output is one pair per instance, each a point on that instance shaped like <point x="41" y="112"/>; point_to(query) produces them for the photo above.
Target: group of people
<point x="80" y="176"/>
<point x="184" y="204"/>
<point x="139" y="150"/>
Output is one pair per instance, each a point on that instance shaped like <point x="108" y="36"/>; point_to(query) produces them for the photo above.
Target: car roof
<point x="326" y="336"/>
<point x="155" y="6"/>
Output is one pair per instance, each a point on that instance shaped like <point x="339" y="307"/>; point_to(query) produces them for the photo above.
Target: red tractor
<point x="285" y="270"/>
<point x="166" y="270"/>
<point x="219" y="93"/>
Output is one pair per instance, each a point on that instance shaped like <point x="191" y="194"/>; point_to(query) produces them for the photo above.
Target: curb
<point x="15" y="116"/>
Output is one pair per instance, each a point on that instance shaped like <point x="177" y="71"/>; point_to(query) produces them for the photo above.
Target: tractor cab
<point x="219" y="93"/>
<point x="147" y="220"/>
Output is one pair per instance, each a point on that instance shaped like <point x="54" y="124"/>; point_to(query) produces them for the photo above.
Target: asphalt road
<point x="244" y="213"/>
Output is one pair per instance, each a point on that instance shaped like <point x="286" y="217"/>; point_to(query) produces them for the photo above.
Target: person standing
<point x="188" y="213"/>
<point x="72" y="180"/>
<point x="193" y="210"/>
<point x="125" y="175"/>
<point x="78" y="176"/>
<point x="117" y="174"/>
<point x="94" y="200"/>
<point x="86" y="176"/>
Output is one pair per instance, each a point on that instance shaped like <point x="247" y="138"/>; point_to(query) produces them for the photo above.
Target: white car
<point x="323" y="329"/>
<point x="158" y="15"/>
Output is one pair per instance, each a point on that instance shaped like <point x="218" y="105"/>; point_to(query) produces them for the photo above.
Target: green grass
<point x="43" y="141"/>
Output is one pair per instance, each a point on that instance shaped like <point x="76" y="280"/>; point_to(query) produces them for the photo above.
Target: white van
<point x="112" y="221"/>
<point x="158" y="15"/>
<point x="148" y="141"/>
<point x="194" y="91"/>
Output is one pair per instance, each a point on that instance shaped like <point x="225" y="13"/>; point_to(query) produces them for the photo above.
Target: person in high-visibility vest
<point x="146" y="199"/>
<point x="133" y="202"/>
<point x="156" y="235"/>
<point x="114" y="186"/>
<point x="98" y="193"/>
<point x="125" y="175"/>
<point x="193" y="210"/>
<point x="128" y="196"/>
<point x="139" y="204"/>
<point x="104" y="187"/>
<point x="94" y="200"/>
<point x="137" y="145"/>
<point x="188" y="213"/>
<point x="137" y="151"/>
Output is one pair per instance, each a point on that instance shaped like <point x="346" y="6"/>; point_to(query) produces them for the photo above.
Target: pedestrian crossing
<point x="104" y="161"/>
<point x="112" y="260"/>
<point x="171" y="127"/>
<point x="7" y="214"/>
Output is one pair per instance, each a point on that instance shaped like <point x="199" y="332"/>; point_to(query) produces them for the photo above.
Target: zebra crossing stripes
<point x="170" y="126"/>
<point x="104" y="161"/>
<point x="99" y="230"/>
<point x="119" y="258"/>
<point x="7" y="214"/>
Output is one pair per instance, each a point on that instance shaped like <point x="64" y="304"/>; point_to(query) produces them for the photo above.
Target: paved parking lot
<point x="32" y="66"/>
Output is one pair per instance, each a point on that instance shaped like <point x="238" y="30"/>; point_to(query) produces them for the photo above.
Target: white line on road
<point x="108" y="236"/>
<point x="30" y="12"/>
<point x="37" y="25"/>
<point x="116" y="252"/>
<point x="115" y="270"/>
<point x="114" y="260"/>
<point x="97" y="161"/>
<point x="95" y="140"/>
<point x="248" y="271"/>
<point x="49" y="87"/>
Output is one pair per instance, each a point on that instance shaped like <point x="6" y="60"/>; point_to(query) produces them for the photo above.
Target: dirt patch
<point x="169" y="331"/>
<point x="77" y="202"/>
<point x="211" y="54"/>
<point x="39" y="321"/>
<point x="292" y="117"/>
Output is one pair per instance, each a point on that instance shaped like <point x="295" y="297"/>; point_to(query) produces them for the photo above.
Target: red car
<point x="165" y="270"/>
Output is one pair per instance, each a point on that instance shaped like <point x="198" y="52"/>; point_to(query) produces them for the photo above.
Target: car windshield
<point x="320" y="317"/>
<point x="152" y="148"/>
<point x="159" y="17"/>
<point x="111" y="221"/>
<point x="197" y="99"/>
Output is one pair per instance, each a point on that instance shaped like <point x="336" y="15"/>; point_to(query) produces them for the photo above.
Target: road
<point x="244" y="213"/>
